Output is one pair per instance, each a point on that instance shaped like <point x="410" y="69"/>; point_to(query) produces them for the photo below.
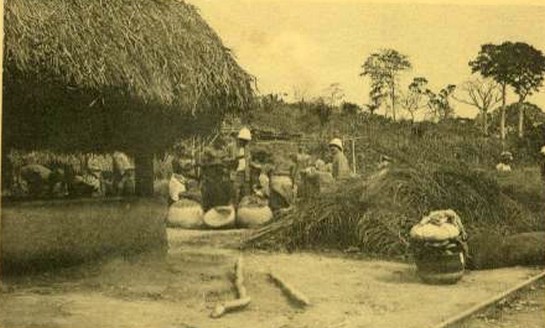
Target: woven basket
<point x="185" y="214"/>
<point x="440" y="269"/>
<point x="220" y="217"/>
<point x="253" y="216"/>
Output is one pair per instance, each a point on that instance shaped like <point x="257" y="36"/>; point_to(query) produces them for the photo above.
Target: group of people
<point x="230" y="173"/>
<point x="64" y="180"/>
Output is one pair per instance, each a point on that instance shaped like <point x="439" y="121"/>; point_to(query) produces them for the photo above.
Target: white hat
<point x="245" y="134"/>
<point x="543" y="150"/>
<point x="336" y="142"/>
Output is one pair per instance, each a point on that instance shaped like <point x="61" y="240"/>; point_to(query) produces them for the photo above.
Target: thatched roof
<point x="158" y="51"/>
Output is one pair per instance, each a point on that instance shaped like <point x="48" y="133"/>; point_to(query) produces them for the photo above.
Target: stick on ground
<point x="242" y="301"/>
<point x="290" y="291"/>
<point x="230" y="306"/>
<point x="239" y="279"/>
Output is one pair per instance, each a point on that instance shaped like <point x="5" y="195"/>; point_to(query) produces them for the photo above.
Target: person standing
<point x="341" y="169"/>
<point x="241" y="180"/>
<point x="123" y="174"/>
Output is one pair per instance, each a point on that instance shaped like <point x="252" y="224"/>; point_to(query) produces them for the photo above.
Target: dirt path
<point x="182" y="289"/>
<point x="523" y="310"/>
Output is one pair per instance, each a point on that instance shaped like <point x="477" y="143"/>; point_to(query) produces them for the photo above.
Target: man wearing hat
<point x="241" y="179"/>
<point x="341" y="169"/>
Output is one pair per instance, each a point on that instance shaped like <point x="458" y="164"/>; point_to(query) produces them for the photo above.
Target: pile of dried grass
<point x="376" y="213"/>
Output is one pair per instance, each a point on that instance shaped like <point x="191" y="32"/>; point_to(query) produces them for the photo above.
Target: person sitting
<point x="259" y="179"/>
<point x="281" y="184"/>
<point x="123" y="174"/>
<point x="506" y="158"/>
<point x="217" y="182"/>
<point x="180" y="181"/>
<point x="41" y="181"/>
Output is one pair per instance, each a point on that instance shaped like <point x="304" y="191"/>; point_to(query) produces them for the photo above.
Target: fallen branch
<point x="242" y="301"/>
<point x="230" y="306"/>
<point x="291" y="292"/>
<point x="239" y="279"/>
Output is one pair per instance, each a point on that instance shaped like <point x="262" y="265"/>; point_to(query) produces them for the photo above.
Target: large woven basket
<point x="253" y="216"/>
<point x="220" y="217"/>
<point x="440" y="269"/>
<point x="185" y="214"/>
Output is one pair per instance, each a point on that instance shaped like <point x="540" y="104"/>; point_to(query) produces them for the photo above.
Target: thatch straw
<point x="375" y="214"/>
<point x="158" y="51"/>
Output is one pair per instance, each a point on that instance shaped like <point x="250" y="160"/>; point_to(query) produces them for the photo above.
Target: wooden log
<point x="230" y="306"/>
<point x="289" y="290"/>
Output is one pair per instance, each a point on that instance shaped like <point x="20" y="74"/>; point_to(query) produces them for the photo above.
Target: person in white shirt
<point x="241" y="179"/>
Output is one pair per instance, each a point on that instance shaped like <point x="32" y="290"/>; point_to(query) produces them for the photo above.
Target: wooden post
<point x="354" y="155"/>
<point x="144" y="175"/>
<point x="1" y="150"/>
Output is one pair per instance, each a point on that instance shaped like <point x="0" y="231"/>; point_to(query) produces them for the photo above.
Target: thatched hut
<point x="132" y="75"/>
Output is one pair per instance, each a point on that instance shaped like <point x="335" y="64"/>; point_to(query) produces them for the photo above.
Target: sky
<point x="300" y="47"/>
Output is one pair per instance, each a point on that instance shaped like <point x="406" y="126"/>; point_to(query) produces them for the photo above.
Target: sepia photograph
<point x="272" y="163"/>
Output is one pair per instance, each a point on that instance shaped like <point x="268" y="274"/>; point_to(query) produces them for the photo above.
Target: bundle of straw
<point x="375" y="213"/>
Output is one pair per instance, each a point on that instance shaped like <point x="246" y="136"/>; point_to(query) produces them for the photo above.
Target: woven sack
<point x="253" y="216"/>
<point x="185" y="213"/>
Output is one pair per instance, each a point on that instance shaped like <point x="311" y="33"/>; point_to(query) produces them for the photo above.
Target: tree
<point x="534" y="116"/>
<point x="526" y="76"/>
<point x="493" y="62"/>
<point x="323" y="111"/>
<point x="518" y="65"/>
<point x="414" y="99"/>
<point x="439" y="103"/>
<point x="383" y="68"/>
<point x="484" y="94"/>
<point x="334" y="94"/>
<point x="376" y="95"/>
<point x="348" y="108"/>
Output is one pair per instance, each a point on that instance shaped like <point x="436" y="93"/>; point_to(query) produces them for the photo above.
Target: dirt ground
<point x="181" y="289"/>
<point x="523" y="310"/>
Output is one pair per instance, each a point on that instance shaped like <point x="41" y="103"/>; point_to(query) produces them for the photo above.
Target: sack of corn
<point x="438" y="226"/>
<point x="220" y="217"/>
<point x="253" y="211"/>
<point x="438" y="243"/>
<point x="185" y="213"/>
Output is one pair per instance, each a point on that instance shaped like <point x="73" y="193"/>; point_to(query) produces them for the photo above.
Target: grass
<point x="49" y="234"/>
<point x="525" y="185"/>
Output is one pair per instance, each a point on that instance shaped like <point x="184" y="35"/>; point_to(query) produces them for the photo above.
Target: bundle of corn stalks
<point x="375" y="213"/>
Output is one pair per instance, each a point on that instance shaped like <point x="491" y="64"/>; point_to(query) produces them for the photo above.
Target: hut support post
<point x="143" y="162"/>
